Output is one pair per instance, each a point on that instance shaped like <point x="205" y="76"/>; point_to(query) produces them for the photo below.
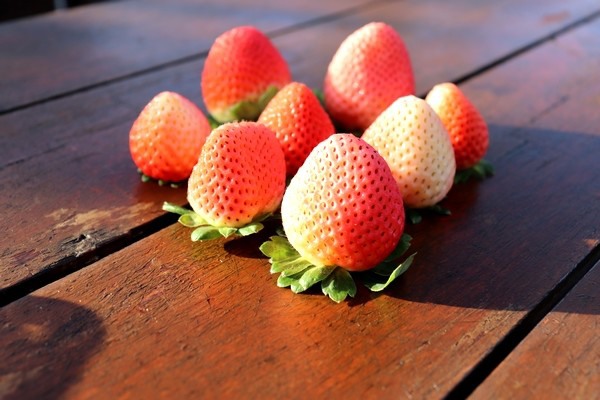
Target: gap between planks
<point x="523" y="328"/>
<point x="197" y="56"/>
<point x="64" y="267"/>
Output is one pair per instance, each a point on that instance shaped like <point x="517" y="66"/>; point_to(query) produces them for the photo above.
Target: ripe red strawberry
<point x="415" y="144"/>
<point x="167" y="137"/>
<point x="343" y="207"/>
<point x="467" y="128"/>
<point x="242" y="72"/>
<point x="299" y="122"/>
<point x="368" y="72"/>
<point x="239" y="177"/>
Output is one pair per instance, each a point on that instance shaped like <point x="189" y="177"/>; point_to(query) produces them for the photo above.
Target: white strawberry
<point x="412" y="139"/>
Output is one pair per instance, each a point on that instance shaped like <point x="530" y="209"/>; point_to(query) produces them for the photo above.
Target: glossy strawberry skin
<point x="239" y="177"/>
<point x="299" y="122"/>
<point x="466" y="126"/>
<point x="415" y="144"/>
<point x="368" y="72"/>
<point x="166" y="139"/>
<point x="343" y="206"/>
<point x="241" y="65"/>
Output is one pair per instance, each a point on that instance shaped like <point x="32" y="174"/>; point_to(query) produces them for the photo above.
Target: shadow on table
<point x="44" y="346"/>
<point x="512" y="238"/>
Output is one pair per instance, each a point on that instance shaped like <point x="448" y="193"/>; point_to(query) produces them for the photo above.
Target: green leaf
<point x="278" y="248"/>
<point x="401" y="247"/>
<point x="374" y="282"/>
<point x="413" y="216"/>
<point x="250" y="110"/>
<point x="267" y="96"/>
<point x="320" y="96"/>
<point x="205" y="232"/>
<point x="174" y="208"/>
<point x="192" y="220"/>
<point x="291" y="267"/>
<point x="251" y="228"/>
<point x="286" y="281"/>
<point x="338" y="285"/>
<point x="438" y="209"/>
<point x="483" y="169"/>
<point x="227" y="231"/>
<point x="314" y="275"/>
<point x="213" y="122"/>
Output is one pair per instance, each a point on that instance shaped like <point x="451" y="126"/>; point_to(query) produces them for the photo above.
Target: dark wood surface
<point x="561" y="355"/>
<point x="159" y="316"/>
<point x="87" y="132"/>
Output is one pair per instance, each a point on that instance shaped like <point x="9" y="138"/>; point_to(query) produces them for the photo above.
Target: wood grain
<point x="206" y="319"/>
<point x="446" y="40"/>
<point x="68" y="182"/>
<point x="560" y="358"/>
<point x="101" y="42"/>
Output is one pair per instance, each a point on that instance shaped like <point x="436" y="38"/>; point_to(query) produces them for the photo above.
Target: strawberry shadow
<point x="519" y="238"/>
<point x="45" y="345"/>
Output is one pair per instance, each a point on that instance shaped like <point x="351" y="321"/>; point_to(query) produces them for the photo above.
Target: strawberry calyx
<point x="337" y="283"/>
<point x="483" y="169"/>
<point x="247" y="110"/>
<point x="205" y="231"/>
<point x="145" y="179"/>
<point x="415" y="215"/>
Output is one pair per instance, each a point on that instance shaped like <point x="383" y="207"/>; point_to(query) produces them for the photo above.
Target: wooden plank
<point x="446" y="40"/>
<point x="166" y="316"/>
<point x="46" y="230"/>
<point x="560" y="358"/>
<point x="97" y="43"/>
<point x="140" y="37"/>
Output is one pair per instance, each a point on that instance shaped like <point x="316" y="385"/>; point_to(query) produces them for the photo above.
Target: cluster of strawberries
<point x="344" y="208"/>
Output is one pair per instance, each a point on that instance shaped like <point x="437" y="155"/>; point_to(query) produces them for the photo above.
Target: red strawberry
<point x="415" y="144"/>
<point x="240" y="176"/>
<point x="343" y="207"/>
<point x="299" y="122"/>
<point x="368" y="72"/>
<point x="467" y="128"/>
<point x="167" y="137"/>
<point x="242" y="72"/>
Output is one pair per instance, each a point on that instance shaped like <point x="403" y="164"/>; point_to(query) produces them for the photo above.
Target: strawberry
<point x="242" y="72"/>
<point x="167" y="137"/>
<point x="238" y="180"/>
<point x="299" y="122"/>
<point x="342" y="212"/>
<point x="467" y="128"/>
<point x="343" y="207"/>
<point x="368" y="72"/>
<point x="415" y="144"/>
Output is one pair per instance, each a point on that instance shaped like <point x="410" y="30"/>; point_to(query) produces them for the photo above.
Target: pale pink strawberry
<point x="415" y="144"/>
<point x="242" y="72"/>
<point x="239" y="177"/>
<point x="343" y="207"/>
<point x="368" y="72"/>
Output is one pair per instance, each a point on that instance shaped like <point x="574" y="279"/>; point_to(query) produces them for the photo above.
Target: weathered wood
<point x="87" y="153"/>
<point x="206" y="319"/>
<point x="446" y="40"/>
<point x="66" y="51"/>
<point x="560" y="358"/>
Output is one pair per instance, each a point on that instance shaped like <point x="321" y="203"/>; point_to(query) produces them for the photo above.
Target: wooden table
<point x="104" y="296"/>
